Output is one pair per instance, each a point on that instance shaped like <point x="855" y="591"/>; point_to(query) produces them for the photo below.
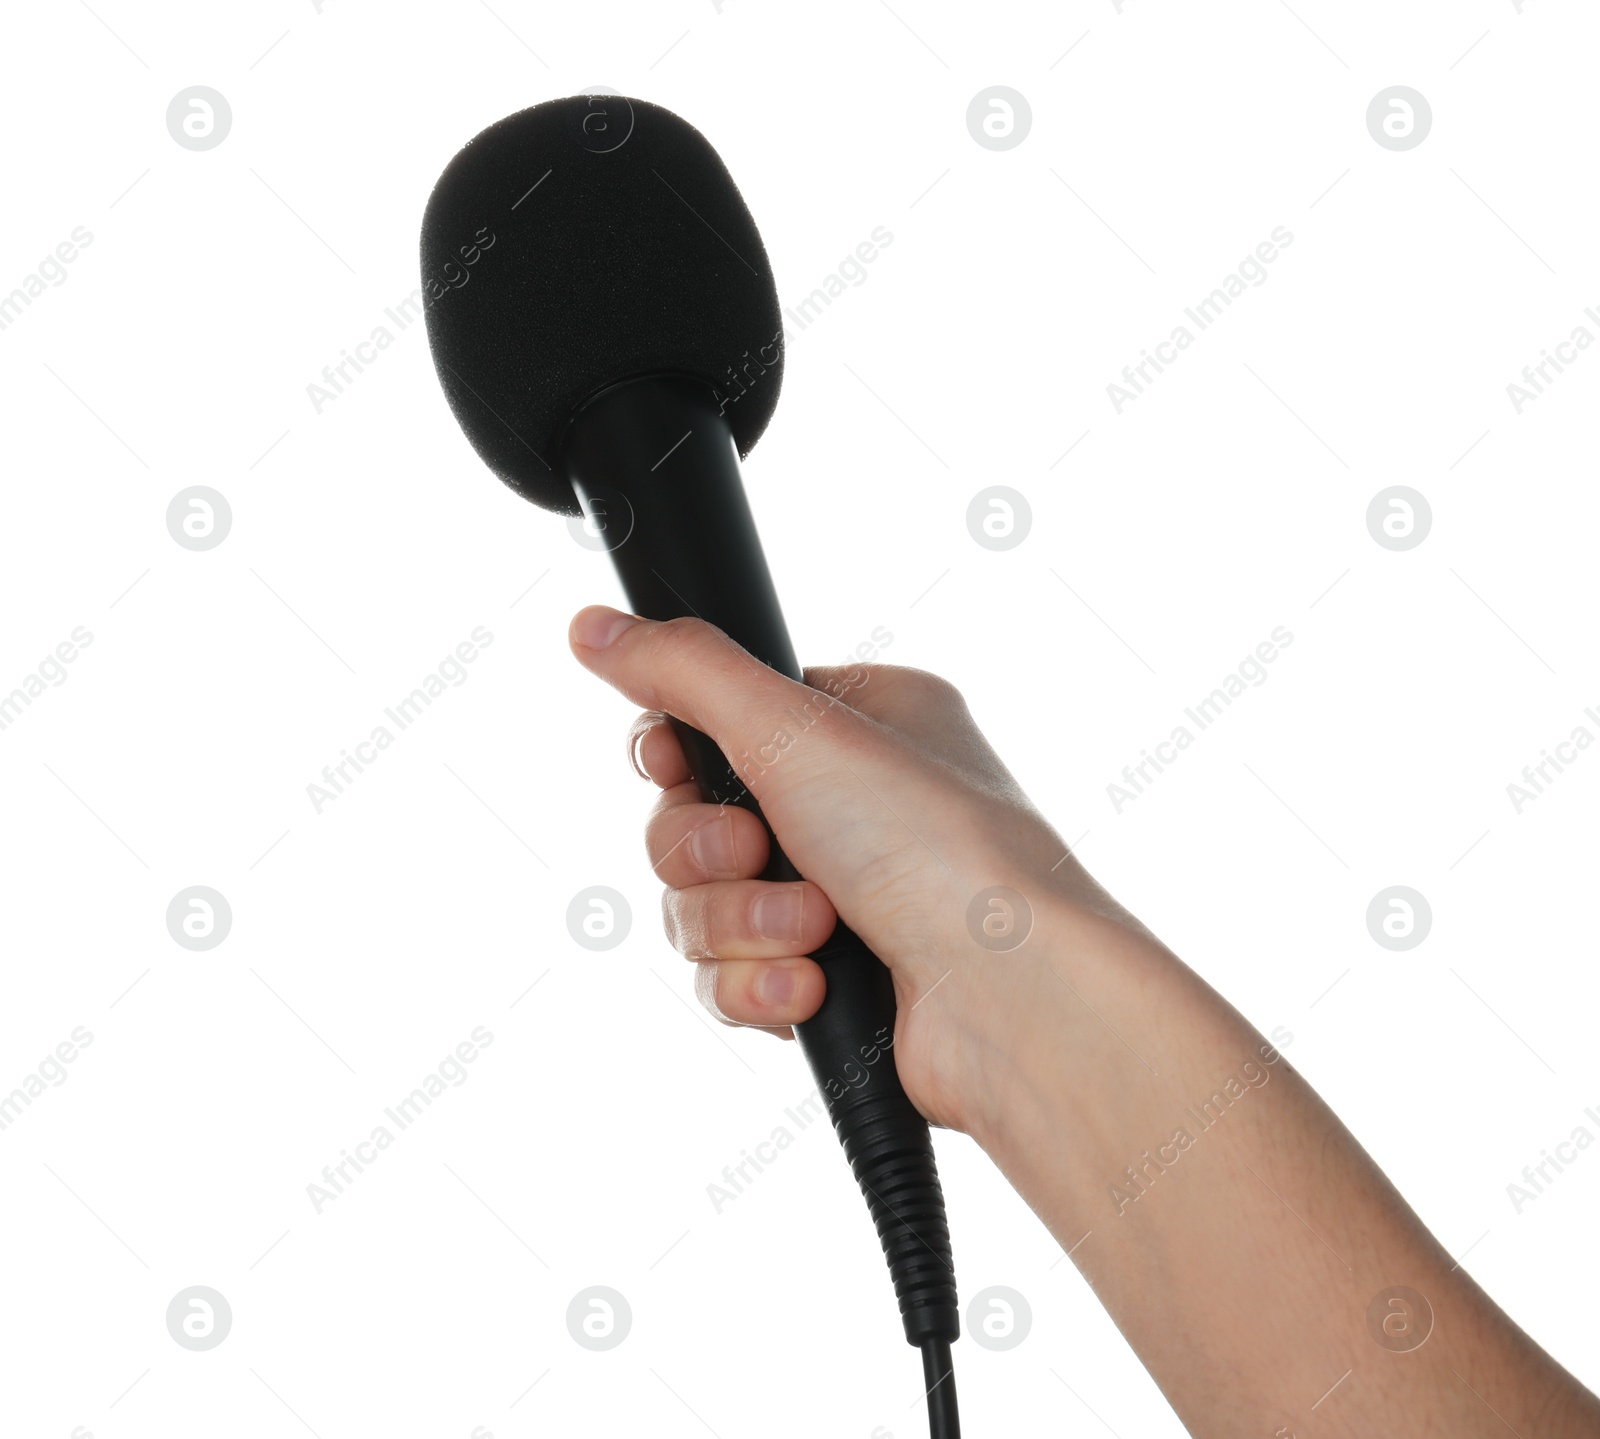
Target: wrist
<point x="1061" y="1025"/>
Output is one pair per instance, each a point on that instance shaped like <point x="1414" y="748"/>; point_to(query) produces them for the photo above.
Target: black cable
<point x="944" y="1422"/>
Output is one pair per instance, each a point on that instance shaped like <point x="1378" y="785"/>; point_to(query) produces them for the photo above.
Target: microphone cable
<point x="944" y="1422"/>
<point x="890" y="1152"/>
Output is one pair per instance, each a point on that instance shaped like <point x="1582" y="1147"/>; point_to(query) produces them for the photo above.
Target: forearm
<point x="1237" y="1233"/>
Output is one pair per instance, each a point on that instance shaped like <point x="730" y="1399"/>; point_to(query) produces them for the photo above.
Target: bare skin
<point x="1237" y="1233"/>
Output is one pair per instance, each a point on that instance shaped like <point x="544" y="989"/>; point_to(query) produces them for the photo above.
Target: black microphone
<point x="606" y="328"/>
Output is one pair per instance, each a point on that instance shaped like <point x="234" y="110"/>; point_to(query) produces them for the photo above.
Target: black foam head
<point x="581" y="242"/>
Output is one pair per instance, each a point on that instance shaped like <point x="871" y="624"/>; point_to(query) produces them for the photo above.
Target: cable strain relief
<point x="891" y="1155"/>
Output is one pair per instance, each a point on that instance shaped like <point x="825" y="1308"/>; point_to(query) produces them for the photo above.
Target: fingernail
<point x="597" y="627"/>
<point x="711" y="847"/>
<point x="636" y="754"/>
<point x="777" y="913"/>
<point x="776" y="986"/>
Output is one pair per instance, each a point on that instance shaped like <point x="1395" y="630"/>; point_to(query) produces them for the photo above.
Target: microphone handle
<point x="654" y="462"/>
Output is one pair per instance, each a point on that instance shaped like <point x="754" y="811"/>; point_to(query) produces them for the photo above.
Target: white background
<point x="367" y="542"/>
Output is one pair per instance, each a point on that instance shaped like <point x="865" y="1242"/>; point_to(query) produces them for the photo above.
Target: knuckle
<point x="923" y="684"/>
<point x="638" y="732"/>
<point x="643" y="724"/>
<point x="888" y="692"/>
<point x="707" y="979"/>
<point x="673" y="921"/>
<point x="691" y="919"/>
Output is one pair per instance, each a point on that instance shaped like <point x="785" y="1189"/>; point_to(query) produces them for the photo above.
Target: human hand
<point x="1066" y="1056"/>
<point x="886" y="796"/>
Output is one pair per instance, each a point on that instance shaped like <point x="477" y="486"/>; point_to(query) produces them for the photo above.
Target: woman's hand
<point x="1233" y="1227"/>
<point x="891" y="803"/>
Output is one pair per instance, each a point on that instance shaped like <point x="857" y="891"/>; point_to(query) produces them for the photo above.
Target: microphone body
<point x="594" y="280"/>
<point x="654" y="463"/>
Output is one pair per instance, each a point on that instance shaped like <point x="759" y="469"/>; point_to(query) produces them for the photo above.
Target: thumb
<point x="691" y="670"/>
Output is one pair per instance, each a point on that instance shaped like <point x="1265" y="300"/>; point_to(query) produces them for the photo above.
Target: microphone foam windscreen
<point x="584" y="241"/>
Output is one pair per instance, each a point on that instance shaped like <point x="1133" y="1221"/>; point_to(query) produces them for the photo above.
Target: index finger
<point x="655" y="751"/>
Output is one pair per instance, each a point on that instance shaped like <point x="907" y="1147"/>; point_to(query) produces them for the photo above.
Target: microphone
<point x="613" y="349"/>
